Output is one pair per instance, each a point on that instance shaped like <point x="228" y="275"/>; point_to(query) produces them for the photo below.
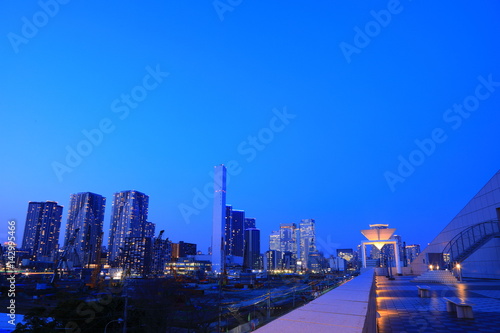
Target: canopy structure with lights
<point x="379" y="235"/>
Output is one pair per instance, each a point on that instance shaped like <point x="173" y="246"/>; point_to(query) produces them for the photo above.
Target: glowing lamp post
<point x="459" y="272"/>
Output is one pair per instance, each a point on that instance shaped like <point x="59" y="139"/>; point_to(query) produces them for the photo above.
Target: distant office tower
<point x="274" y="260"/>
<point x="41" y="231"/>
<point x="218" y="219"/>
<point x="289" y="261"/>
<point x="138" y="255"/>
<point x="252" y="249"/>
<point x="86" y="213"/>
<point x="307" y="236"/>
<point x="346" y="255"/>
<point x="128" y="219"/>
<point x="249" y="223"/>
<point x="314" y="260"/>
<point x="182" y="249"/>
<point x="274" y="241"/>
<point x="412" y="251"/>
<point x="288" y="238"/>
<point x="234" y="228"/>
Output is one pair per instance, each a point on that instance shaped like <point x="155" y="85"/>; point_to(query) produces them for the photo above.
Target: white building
<point x="219" y="219"/>
<point x="471" y="238"/>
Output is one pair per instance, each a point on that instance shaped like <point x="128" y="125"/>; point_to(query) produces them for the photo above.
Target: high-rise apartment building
<point x="252" y="249"/>
<point x="138" y="255"/>
<point x="149" y="229"/>
<point x="128" y="219"/>
<point x="162" y="254"/>
<point x="41" y="231"/>
<point x="219" y="220"/>
<point x="86" y="213"/>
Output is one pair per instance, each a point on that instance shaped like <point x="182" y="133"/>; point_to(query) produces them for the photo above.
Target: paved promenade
<point x="344" y="310"/>
<point x="401" y="310"/>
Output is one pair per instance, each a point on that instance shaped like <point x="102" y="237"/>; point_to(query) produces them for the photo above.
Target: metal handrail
<point x="469" y="238"/>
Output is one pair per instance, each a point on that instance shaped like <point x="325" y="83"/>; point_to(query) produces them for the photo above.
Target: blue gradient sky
<point x="352" y="119"/>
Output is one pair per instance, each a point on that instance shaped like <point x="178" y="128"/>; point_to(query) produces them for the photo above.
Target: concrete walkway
<point x="344" y="310"/>
<point x="401" y="310"/>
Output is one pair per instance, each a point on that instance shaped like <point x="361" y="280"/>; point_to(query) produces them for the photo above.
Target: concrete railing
<point x="349" y="308"/>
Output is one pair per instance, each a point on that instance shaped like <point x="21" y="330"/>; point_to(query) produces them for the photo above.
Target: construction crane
<point x="158" y="239"/>
<point x="63" y="260"/>
<point x="97" y="269"/>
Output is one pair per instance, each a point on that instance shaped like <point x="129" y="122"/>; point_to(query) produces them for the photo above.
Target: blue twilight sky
<point x="177" y="87"/>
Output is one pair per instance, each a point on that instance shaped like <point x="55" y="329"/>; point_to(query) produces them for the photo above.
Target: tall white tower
<point x="219" y="219"/>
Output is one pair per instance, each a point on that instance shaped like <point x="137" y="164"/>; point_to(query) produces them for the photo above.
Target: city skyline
<point x="343" y="112"/>
<point x="149" y="227"/>
<point x="85" y="222"/>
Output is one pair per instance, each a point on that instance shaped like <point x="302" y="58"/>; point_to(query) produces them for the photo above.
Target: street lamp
<point x="119" y="320"/>
<point x="430" y="267"/>
<point x="459" y="272"/>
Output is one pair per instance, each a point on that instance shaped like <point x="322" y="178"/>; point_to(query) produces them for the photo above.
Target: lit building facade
<point x="412" y="251"/>
<point x="41" y="231"/>
<point x="128" y="219"/>
<point x="183" y="249"/>
<point x="346" y="255"/>
<point x="138" y="255"/>
<point x="274" y="260"/>
<point x="307" y="240"/>
<point x="219" y="219"/>
<point x="289" y="261"/>
<point x="86" y="213"/>
<point x="149" y="229"/>
<point x="288" y="238"/>
<point x="234" y="232"/>
<point x="274" y="241"/>
<point x="162" y="254"/>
